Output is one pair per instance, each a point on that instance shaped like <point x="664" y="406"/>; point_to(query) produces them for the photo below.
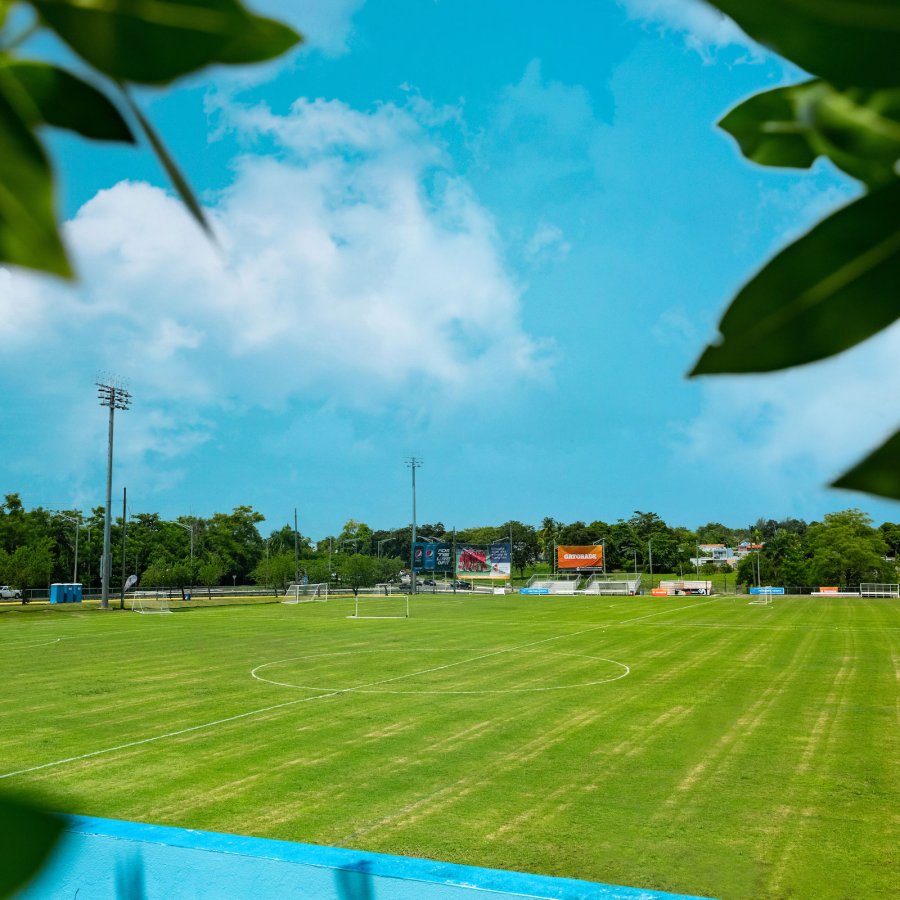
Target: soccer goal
<point x="762" y="600"/>
<point x="149" y="602"/>
<point x="306" y="593"/>
<point x="381" y="606"/>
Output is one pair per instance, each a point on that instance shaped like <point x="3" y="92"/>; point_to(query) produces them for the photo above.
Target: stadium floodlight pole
<point x="110" y="394"/>
<point x="413" y="463"/>
<point x="78" y="527"/>
<point x="650" y="551"/>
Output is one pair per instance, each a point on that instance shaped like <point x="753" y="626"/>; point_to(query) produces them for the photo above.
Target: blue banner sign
<point x="534" y="590"/>
<point x="766" y="590"/>
<point x="432" y="557"/>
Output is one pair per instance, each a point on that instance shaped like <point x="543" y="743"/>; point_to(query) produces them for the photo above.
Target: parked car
<point x="8" y="593"/>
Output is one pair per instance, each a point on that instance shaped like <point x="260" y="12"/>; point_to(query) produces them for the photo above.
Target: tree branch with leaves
<point x="839" y="284"/>
<point x="121" y="44"/>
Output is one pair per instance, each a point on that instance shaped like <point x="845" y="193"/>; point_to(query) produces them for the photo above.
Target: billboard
<point x="580" y="557"/>
<point x="483" y="562"/>
<point x="429" y="556"/>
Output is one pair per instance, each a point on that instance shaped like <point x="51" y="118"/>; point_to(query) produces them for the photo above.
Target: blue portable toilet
<point x="65" y="593"/>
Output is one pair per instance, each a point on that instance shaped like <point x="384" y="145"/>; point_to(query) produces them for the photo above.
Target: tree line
<point x="38" y="546"/>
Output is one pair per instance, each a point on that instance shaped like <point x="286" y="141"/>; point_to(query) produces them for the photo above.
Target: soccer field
<point x="700" y="745"/>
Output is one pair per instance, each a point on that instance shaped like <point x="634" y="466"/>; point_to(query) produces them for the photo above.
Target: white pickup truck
<point x="8" y="593"/>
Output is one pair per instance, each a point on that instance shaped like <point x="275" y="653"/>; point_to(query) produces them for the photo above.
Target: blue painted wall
<point x="104" y="859"/>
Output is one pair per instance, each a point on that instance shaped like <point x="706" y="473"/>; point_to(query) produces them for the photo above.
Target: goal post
<point x="381" y="606"/>
<point x="306" y="593"/>
<point x="149" y="602"/>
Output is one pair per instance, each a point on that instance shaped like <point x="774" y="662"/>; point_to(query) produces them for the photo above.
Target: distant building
<point x="719" y="553"/>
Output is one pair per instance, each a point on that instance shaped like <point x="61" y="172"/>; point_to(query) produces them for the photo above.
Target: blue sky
<point x="493" y="236"/>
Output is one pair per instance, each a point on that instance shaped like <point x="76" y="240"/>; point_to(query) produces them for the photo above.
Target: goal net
<point x="149" y="602"/>
<point x="306" y="593"/>
<point x="381" y="606"/>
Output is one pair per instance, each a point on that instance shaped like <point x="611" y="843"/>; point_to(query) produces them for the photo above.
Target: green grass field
<point x="688" y="744"/>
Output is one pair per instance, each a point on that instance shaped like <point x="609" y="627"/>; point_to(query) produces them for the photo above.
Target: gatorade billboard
<point x="589" y="557"/>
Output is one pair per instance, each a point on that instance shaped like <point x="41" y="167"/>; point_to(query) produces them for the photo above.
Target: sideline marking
<point x="256" y="712"/>
<point x="562" y="687"/>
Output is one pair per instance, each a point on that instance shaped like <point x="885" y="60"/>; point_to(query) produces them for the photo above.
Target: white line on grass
<point x="265" y="709"/>
<point x="366" y="690"/>
<point x="30" y="644"/>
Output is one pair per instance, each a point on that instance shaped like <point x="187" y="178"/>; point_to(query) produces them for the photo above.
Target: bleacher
<point x="553" y="584"/>
<point x="871" y="589"/>
<point x="626" y="585"/>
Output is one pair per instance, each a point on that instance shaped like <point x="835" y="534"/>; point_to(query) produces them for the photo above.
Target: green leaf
<point x="29" y="235"/>
<point x="264" y="39"/>
<point x="831" y="289"/>
<point x="27" y="835"/>
<point x="858" y="130"/>
<point x="878" y="473"/>
<point x="61" y="99"/>
<point x="155" y="41"/>
<point x="174" y="173"/>
<point x="769" y="130"/>
<point x="851" y="43"/>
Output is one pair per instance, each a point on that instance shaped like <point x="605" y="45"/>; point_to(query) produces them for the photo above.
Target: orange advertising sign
<point x="589" y="557"/>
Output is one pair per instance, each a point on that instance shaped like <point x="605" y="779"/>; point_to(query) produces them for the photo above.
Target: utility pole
<point x="114" y="396"/>
<point x="78" y="527"/>
<point x="413" y="463"/>
<point x="296" y="557"/>
<point x="650" y="550"/>
<point x="124" y="521"/>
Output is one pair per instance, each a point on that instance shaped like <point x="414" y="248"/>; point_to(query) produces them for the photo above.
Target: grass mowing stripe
<point x="256" y="712"/>
<point x="562" y="782"/>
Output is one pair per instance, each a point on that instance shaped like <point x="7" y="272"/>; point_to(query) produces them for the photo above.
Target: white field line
<point x="29" y="644"/>
<point x="366" y="690"/>
<point x="265" y="709"/>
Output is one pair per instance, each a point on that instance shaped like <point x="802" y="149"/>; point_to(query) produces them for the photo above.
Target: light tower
<point x="111" y="394"/>
<point x="413" y="464"/>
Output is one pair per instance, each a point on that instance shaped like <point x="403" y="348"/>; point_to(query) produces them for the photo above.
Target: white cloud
<point x="704" y="29"/>
<point x="547" y="244"/>
<point x="326" y="25"/>
<point x="353" y="266"/>
<point x="787" y="433"/>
